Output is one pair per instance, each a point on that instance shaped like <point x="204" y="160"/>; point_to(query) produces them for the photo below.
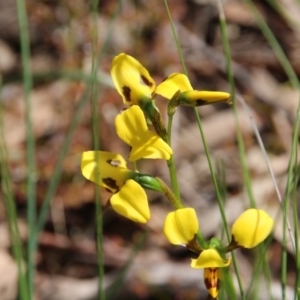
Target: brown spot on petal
<point x="111" y="183"/>
<point x="146" y="81"/>
<point x="201" y="102"/>
<point x="126" y="93"/>
<point x="114" y="162"/>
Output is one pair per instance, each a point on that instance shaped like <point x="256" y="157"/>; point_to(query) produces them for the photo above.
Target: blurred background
<point x="61" y="35"/>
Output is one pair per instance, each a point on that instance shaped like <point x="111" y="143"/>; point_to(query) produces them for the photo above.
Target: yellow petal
<point x="132" y="128"/>
<point x="131" y="202"/>
<point x="181" y="226"/>
<point x="151" y="147"/>
<point x="252" y="227"/>
<point x="131" y="125"/>
<point x="131" y="79"/>
<point x="212" y="280"/>
<point x="210" y="258"/>
<point x="105" y="169"/>
<point x="172" y="84"/>
<point x="199" y="98"/>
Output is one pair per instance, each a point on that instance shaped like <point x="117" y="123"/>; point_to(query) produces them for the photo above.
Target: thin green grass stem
<point x="270" y="37"/>
<point x="296" y="233"/>
<point x="199" y="124"/>
<point x="221" y="206"/>
<point x="219" y="199"/>
<point x="11" y="214"/>
<point x="293" y="79"/>
<point x="54" y="181"/>
<point x="97" y="56"/>
<point x="221" y="183"/>
<point x="229" y="71"/>
<point x="173" y="170"/>
<point x="260" y="267"/>
<point x="292" y="162"/>
<point x="57" y="173"/>
<point x="113" y="289"/>
<point x="96" y="147"/>
<point x="229" y="285"/>
<point x="176" y="38"/>
<point x="267" y="271"/>
<point x="246" y="173"/>
<point x="291" y="20"/>
<point x="30" y="144"/>
<point x="171" y="163"/>
<point x="12" y="220"/>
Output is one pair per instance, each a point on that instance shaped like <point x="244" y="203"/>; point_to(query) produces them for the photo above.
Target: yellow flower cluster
<point x="251" y="228"/>
<point x="129" y="199"/>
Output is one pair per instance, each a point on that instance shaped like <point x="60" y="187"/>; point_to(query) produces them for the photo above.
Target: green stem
<point x="173" y="177"/>
<point x="30" y="144"/>
<point x="171" y="162"/>
<point x="296" y="222"/>
<point x="219" y="199"/>
<point x="96" y="146"/>
<point x="152" y="112"/>
<point x="57" y="173"/>
<point x="97" y="55"/>
<point x="169" y="194"/>
<point x="11" y="214"/>
<point x="283" y="59"/>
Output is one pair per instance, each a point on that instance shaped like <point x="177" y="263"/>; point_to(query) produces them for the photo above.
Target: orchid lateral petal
<point x="199" y="98"/>
<point x="131" y="125"/>
<point x="173" y="83"/>
<point x="251" y="228"/>
<point x="181" y="226"/>
<point x="132" y="128"/>
<point x="210" y="258"/>
<point x="131" y="202"/>
<point x="131" y="79"/>
<point x="106" y="169"/>
<point x="151" y="147"/>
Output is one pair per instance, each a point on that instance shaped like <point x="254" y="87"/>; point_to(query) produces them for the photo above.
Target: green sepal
<point x="148" y="182"/>
<point x="174" y="103"/>
<point x="214" y="243"/>
<point x="153" y="114"/>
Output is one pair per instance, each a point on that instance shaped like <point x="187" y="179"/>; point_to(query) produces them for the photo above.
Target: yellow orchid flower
<point x="188" y="96"/>
<point x="132" y="80"/>
<point x="135" y="85"/>
<point x="211" y="261"/>
<point x="251" y="228"/>
<point x="109" y="171"/>
<point x="180" y="228"/>
<point x="132" y="128"/>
